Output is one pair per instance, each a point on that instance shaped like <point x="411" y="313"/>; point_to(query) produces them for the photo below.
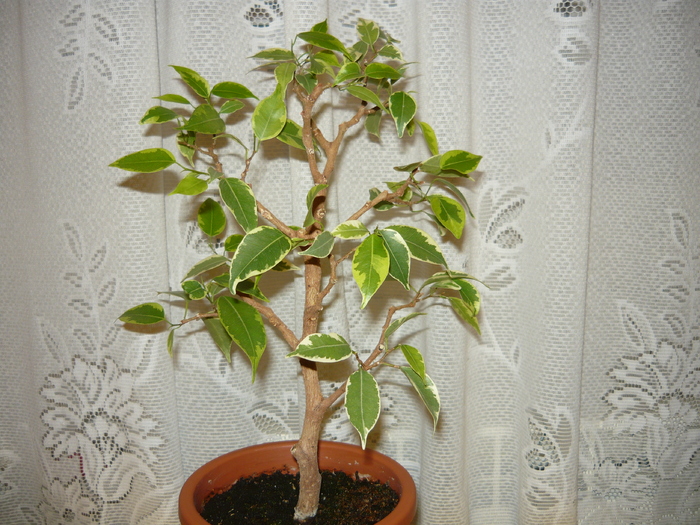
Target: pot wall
<point x="223" y="471"/>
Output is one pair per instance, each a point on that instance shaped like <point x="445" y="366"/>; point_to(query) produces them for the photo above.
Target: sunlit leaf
<point x="449" y="213"/>
<point x="275" y="54"/>
<point x="362" y="402"/>
<point x="194" y="80"/>
<point x="322" y="246"/>
<point x="145" y="161"/>
<point x="460" y="161"/>
<point x="147" y="313"/>
<point x="261" y="249"/>
<point x="368" y="31"/>
<point x="426" y="390"/>
<point x="379" y="71"/>
<point x="206" y="264"/>
<point x="348" y="71"/>
<point x="324" y="40"/>
<point x="231" y="106"/>
<point x="465" y="311"/>
<point x="284" y="73"/>
<point x="402" y="107"/>
<point x="158" y="114"/>
<point x="365" y="94"/>
<point x="370" y="266"/>
<point x="350" y="230"/>
<point x="430" y="137"/>
<point x="399" y="256"/>
<point x="323" y="348"/>
<point x="321" y="27"/>
<point x="177" y="99"/>
<point x="291" y="135"/>
<point x="239" y="198"/>
<point x="414" y="359"/>
<point x="420" y="244"/>
<point x="231" y="90"/>
<point x="205" y="119"/>
<point x="191" y="184"/>
<point x="269" y="116"/>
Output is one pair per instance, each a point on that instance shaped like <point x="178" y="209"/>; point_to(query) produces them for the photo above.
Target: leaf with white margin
<point x="323" y="348"/>
<point x="427" y="391"/>
<point x="414" y="359"/>
<point x="363" y="402"/>
<point x="260" y="250"/>
<point x="420" y="244"/>
<point x="350" y="230"/>
<point x="245" y="326"/>
<point x="399" y="257"/>
<point x="370" y="266"/>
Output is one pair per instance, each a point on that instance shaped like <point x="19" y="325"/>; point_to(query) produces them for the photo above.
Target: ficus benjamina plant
<point x="227" y="284"/>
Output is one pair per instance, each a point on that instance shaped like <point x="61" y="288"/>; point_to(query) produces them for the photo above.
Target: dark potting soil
<point x="269" y="499"/>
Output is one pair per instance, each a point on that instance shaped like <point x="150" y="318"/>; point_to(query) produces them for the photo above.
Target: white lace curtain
<point x="580" y="402"/>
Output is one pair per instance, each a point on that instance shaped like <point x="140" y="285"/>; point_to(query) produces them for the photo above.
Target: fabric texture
<point x="580" y="401"/>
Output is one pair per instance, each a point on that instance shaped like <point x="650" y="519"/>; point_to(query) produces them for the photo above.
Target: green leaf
<point x="368" y="31"/>
<point x="275" y="54"/>
<point x="391" y="51"/>
<point x="370" y="266"/>
<point x="232" y="90"/>
<point x="420" y="244"/>
<point x="239" y="198"/>
<point x="365" y="94"/>
<point x="194" y="80"/>
<point x="362" y="402"/>
<point x="284" y="73"/>
<point x="322" y="246"/>
<point x="205" y="119"/>
<point x="191" y="184"/>
<point x="269" y="116"/>
<point x="373" y="122"/>
<point x="430" y="137"/>
<point x="206" y="264"/>
<point x="232" y="241"/>
<point x="185" y="144"/>
<point x="426" y="390"/>
<point x="177" y="99"/>
<point x="325" y="41"/>
<point x="211" y="218"/>
<point x="432" y="165"/>
<point x="402" y="107"/>
<point x="231" y="106"/>
<point x="465" y="311"/>
<point x="219" y="335"/>
<point x="169" y="342"/>
<point x="449" y="213"/>
<point x="145" y="161"/>
<point x="291" y="135"/>
<point x="146" y="313"/>
<point x="323" y="348"/>
<point x="455" y="190"/>
<point x="408" y="167"/>
<point x="397" y="323"/>
<point x="350" y="230"/>
<point x="158" y="114"/>
<point x="415" y="359"/>
<point x="261" y="249"/>
<point x="245" y="326"/>
<point x="348" y="71"/>
<point x="358" y="50"/>
<point x="310" y="196"/>
<point x="194" y="290"/>
<point x="249" y="287"/>
<point x="399" y="256"/>
<point x="469" y="295"/>
<point x="379" y="71"/>
<point x="382" y="205"/>
<point x="284" y="266"/>
<point x="460" y="161"/>
<point x="321" y="27"/>
<point x="307" y="81"/>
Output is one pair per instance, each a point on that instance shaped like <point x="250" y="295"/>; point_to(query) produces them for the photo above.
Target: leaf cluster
<point x="227" y="284"/>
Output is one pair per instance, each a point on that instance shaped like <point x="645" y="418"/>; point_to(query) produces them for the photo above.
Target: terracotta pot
<point x="221" y="472"/>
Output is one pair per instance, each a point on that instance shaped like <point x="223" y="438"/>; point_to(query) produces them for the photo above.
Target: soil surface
<point x="269" y="499"/>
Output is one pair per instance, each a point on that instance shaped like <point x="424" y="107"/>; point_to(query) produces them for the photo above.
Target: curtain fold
<point x="580" y="401"/>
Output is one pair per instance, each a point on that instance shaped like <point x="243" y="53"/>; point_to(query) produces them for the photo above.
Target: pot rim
<point x="216" y="474"/>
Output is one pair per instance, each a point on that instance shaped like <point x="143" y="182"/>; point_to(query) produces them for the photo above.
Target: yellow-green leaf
<point x="269" y="116"/>
<point x="362" y="402"/>
<point x="420" y="244"/>
<point x="194" y="80"/>
<point x="239" y="198"/>
<point x="261" y="249"/>
<point x="402" y="107"/>
<point x="145" y="161"/>
<point x="231" y="90"/>
<point x="426" y="390"/>
<point x="399" y="256"/>
<point x="205" y="119"/>
<point x="147" y="313"/>
<point x="323" y="348"/>
<point x="460" y="161"/>
<point x="370" y="266"/>
<point x="449" y="213"/>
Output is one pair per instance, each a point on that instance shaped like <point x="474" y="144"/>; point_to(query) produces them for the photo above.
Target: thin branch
<point x="274" y="320"/>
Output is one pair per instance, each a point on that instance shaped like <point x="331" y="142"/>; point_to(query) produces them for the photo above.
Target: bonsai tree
<point x="227" y="284"/>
